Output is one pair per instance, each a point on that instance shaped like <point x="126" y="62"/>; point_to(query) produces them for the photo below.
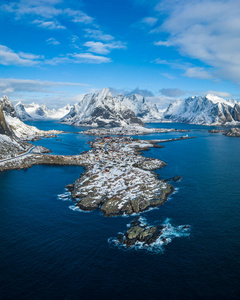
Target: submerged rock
<point x="177" y="178"/>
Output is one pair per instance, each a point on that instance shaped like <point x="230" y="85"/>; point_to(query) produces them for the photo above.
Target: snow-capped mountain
<point x="9" y="142"/>
<point x="141" y="106"/>
<point x="101" y="109"/>
<point x="21" y="112"/>
<point x="205" y="110"/>
<point x="4" y="127"/>
<point x="20" y="129"/>
<point x="40" y="112"/>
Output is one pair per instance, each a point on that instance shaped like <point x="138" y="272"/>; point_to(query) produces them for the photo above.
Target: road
<point x="23" y="154"/>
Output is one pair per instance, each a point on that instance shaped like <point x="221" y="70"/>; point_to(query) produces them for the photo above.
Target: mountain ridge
<point x="204" y="110"/>
<point x="104" y="109"/>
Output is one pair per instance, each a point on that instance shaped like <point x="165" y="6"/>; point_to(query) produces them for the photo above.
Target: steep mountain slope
<point x="41" y="112"/>
<point x="20" y="129"/>
<point x="205" y="110"/>
<point x="101" y="109"/>
<point x="143" y="108"/>
<point x="9" y="143"/>
<point x="21" y="112"/>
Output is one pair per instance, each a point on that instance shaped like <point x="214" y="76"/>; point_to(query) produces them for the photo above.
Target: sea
<point x="50" y="250"/>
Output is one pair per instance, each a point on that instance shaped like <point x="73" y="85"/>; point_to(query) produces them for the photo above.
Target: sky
<point x="53" y="51"/>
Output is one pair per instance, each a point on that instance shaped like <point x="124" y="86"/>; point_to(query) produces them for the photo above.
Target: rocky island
<point x="141" y="235"/>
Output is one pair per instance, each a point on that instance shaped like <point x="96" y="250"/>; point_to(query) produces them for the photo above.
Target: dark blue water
<point x="49" y="251"/>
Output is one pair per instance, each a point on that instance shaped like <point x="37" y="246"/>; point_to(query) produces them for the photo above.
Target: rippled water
<point x="49" y="251"/>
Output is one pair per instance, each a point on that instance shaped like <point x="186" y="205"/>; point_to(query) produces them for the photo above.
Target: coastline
<point x="117" y="179"/>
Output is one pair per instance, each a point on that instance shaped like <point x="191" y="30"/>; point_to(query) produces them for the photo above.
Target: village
<point x="121" y="151"/>
<point x="128" y="130"/>
<point x="118" y="179"/>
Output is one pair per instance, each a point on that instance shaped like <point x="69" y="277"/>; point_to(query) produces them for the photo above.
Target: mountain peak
<point x="207" y="110"/>
<point x="104" y="93"/>
<point x="215" y="99"/>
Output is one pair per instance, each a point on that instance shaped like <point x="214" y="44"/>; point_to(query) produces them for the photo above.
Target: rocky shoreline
<point x="121" y="180"/>
<point x="118" y="180"/>
<point x="233" y="132"/>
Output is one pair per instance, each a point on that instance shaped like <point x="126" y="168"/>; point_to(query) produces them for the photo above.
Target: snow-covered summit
<point x="20" y="129"/>
<point x="104" y="93"/>
<point x="101" y="109"/>
<point x="142" y="107"/>
<point x="40" y="112"/>
<point x="21" y="112"/>
<point x="215" y="99"/>
<point x="206" y="110"/>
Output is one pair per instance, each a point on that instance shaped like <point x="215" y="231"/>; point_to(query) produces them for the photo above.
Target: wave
<point x="75" y="208"/>
<point x="65" y="196"/>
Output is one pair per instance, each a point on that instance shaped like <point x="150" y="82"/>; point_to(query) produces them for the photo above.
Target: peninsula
<point x="117" y="179"/>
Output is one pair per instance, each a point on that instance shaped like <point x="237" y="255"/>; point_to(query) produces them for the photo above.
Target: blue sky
<point x="52" y="51"/>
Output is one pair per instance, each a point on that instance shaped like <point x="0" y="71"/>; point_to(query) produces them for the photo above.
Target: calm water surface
<point x="49" y="251"/>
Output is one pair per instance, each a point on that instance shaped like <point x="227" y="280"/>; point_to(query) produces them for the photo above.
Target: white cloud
<point x="197" y="72"/>
<point x="48" y="24"/>
<point x="30" y="56"/>
<point x="162" y="43"/>
<point x="22" y="8"/>
<point x="78" y="16"/>
<point x="98" y="35"/>
<point x="219" y="94"/>
<point x="52" y="41"/>
<point x="190" y="70"/>
<point x="175" y="64"/>
<point x="79" y="58"/>
<point x="169" y="76"/>
<point x="10" y="85"/>
<point x="91" y="58"/>
<point x="46" y="11"/>
<point x="45" y="92"/>
<point x="205" y="30"/>
<point x="173" y="92"/>
<point x="162" y="102"/>
<point x="101" y="48"/>
<point x="150" y="21"/>
<point x="9" y="57"/>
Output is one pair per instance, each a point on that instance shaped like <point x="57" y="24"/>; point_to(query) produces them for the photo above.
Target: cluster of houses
<point x="110" y="152"/>
<point x="128" y="130"/>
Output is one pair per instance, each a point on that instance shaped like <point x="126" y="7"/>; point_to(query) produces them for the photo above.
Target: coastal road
<point x="23" y="154"/>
